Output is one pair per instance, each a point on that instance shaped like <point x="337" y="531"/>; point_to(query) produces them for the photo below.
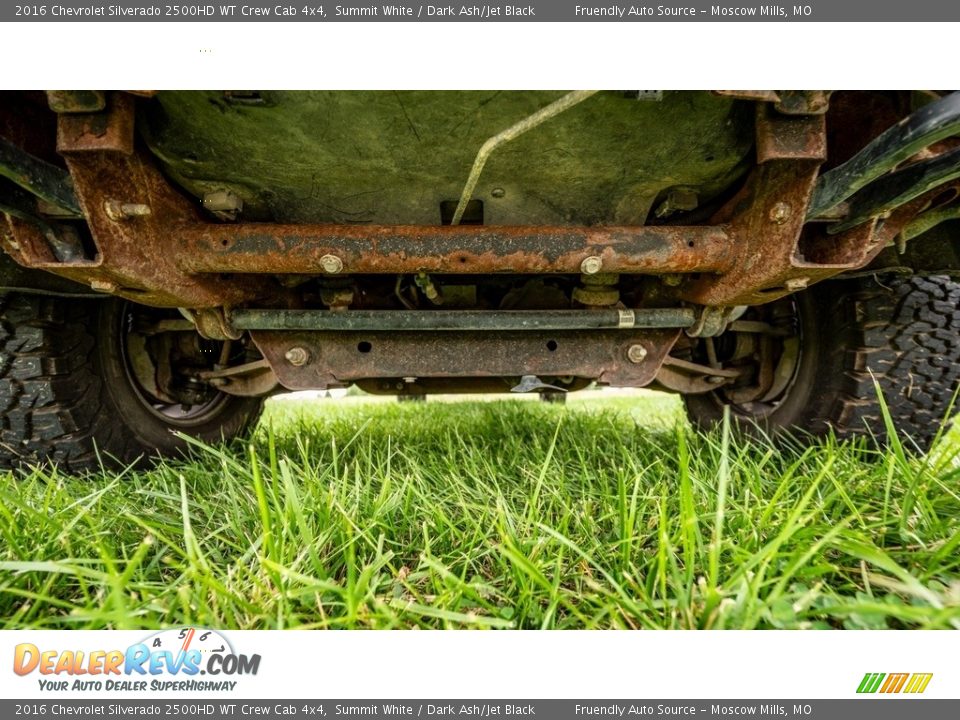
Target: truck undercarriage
<point x="738" y="247"/>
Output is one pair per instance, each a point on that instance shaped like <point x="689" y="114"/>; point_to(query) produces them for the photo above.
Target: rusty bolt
<point x="117" y="210"/>
<point x="780" y="213"/>
<point x="637" y="353"/>
<point x="107" y="286"/>
<point x="794" y="284"/>
<point x="331" y="264"/>
<point x="297" y="356"/>
<point x="591" y="265"/>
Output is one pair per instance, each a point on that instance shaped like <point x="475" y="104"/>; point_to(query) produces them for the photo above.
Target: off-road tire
<point x="901" y="332"/>
<point x="66" y="398"/>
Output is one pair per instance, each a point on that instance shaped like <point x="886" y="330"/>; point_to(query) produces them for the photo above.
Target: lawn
<point x="605" y="513"/>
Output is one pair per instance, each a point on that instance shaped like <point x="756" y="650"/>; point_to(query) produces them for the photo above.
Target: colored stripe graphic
<point x="894" y="683"/>
<point x="870" y="682"/>
<point x="918" y="682"/>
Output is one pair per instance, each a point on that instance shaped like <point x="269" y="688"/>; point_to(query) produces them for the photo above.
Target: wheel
<point x="84" y="381"/>
<point x="823" y="350"/>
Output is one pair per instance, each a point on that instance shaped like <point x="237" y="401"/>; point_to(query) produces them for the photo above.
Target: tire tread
<point x="55" y="406"/>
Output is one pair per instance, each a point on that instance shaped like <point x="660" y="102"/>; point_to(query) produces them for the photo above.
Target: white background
<point x="512" y="56"/>
<point x="551" y="664"/>
<point x="628" y="56"/>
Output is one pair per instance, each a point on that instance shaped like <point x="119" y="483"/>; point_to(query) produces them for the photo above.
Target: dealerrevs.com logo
<point x="892" y="683"/>
<point x="168" y="660"/>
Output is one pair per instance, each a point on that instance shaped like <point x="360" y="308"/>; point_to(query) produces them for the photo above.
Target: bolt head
<point x="114" y="210"/>
<point x="297" y="356"/>
<point x="780" y="213"/>
<point x="331" y="264"/>
<point x="794" y="284"/>
<point x="591" y="265"/>
<point x="498" y="192"/>
<point x="636" y="353"/>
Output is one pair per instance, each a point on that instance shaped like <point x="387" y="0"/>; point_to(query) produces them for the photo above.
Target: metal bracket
<point x="712" y="321"/>
<point x="213" y="324"/>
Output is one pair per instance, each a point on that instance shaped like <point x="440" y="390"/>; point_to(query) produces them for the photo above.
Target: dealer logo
<point x="180" y="655"/>
<point x="888" y="683"/>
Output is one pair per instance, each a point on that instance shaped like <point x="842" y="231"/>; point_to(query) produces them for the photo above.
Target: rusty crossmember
<point x="311" y="360"/>
<point x="155" y="246"/>
<point x="466" y="249"/>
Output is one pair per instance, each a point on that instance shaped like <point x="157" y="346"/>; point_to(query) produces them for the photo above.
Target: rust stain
<point x="110" y="130"/>
<point x="466" y="249"/>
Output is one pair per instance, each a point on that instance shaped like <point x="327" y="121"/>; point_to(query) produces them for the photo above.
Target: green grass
<point x="603" y="514"/>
